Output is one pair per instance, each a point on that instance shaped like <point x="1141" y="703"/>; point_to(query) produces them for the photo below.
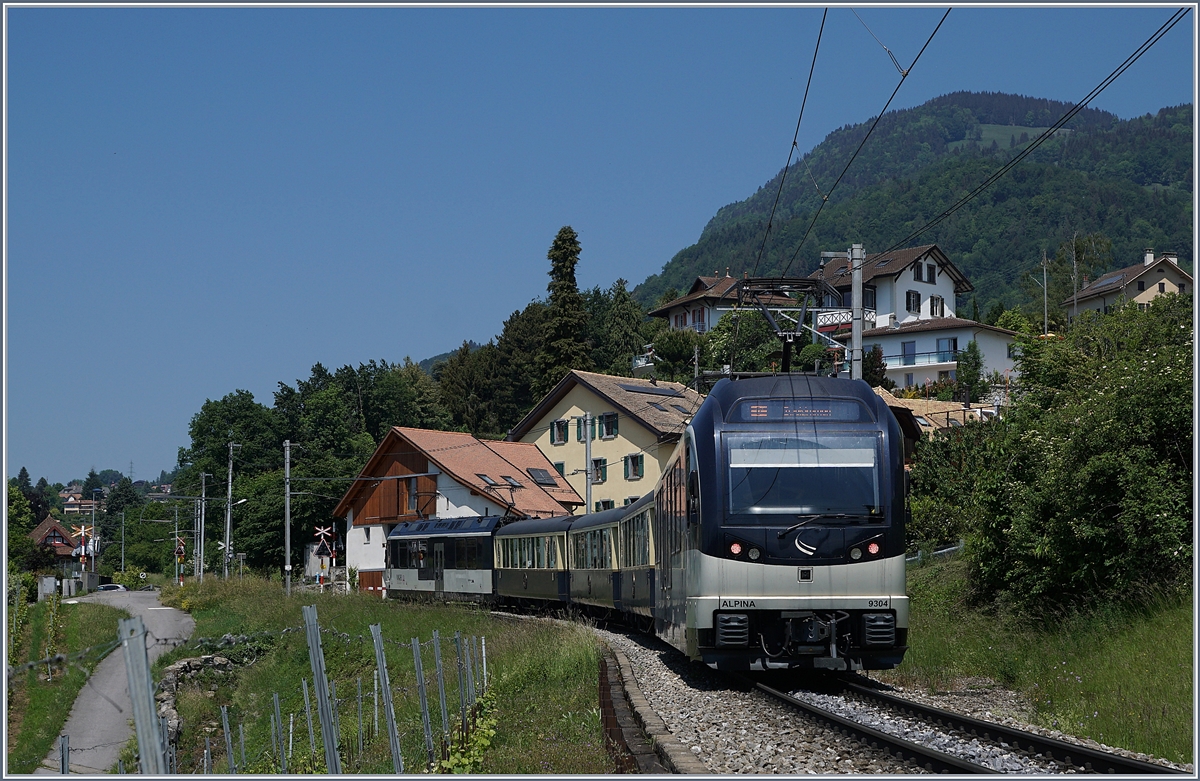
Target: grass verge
<point x="38" y="708"/>
<point x="1120" y="675"/>
<point x="544" y="676"/>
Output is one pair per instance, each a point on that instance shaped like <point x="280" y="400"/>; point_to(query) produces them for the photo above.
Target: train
<point x="774" y="538"/>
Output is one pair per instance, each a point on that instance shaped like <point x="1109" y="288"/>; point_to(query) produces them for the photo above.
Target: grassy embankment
<point x="544" y="677"/>
<point x="38" y="708"/>
<point x="1120" y="675"/>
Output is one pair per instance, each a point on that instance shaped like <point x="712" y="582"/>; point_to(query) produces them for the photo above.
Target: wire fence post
<point x="360" y="723"/>
<point x="375" y="694"/>
<point x="279" y="726"/>
<point x="462" y="692"/>
<point x="441" y="679"/>
<point x="483" y="645"/>
<point x="242" y="741"/>
<point x="291" y="733"/>
<point x="425" y="724"/>
<point x="312" y="743"/>
<point x="333" y="707"/>
<point x="228" y="738"/>
<point x="274" y="735"/>
<point x="132" y="634"/>
<point x="120" y="767"/>
<point x="64" y="755"/>
<point x="388" y="712"/>
<point x="316" y="658"/>
<point x="478" y="666"/>
<point x="470" y="673"/>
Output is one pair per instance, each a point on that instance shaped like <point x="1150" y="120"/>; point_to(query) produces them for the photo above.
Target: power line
<point x="792" y="149"/>
<point x="904" y="75"/>
<point x="1049" y="132"/>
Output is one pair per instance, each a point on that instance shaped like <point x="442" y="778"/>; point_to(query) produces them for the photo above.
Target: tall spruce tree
<point x="565" y="346"/>
<point x="623" y="330"/>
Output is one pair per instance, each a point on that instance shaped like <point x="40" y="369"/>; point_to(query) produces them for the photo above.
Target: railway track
<point x="923" y="756"/>
<point x="1068" y="756"/>
<point x="1062" y="756"/>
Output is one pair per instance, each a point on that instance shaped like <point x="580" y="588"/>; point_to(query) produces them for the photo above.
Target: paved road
<point x="101" y="721"/>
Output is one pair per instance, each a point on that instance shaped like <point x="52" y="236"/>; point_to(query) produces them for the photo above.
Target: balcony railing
<point x="921" y="359"/>
<point x="842" y="317"/>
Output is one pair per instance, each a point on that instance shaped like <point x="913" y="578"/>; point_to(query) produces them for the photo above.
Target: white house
<point x="912" y="294"/>
<point x="917" y="352"/>
<point x="420" y="474"/>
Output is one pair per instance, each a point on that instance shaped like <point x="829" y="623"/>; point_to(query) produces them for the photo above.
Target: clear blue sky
<point x="201" y="200"/>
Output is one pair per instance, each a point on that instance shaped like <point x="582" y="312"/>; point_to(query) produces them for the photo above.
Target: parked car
<point x="112" y="587"/>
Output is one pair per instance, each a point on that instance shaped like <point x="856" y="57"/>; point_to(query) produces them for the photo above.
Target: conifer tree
<point x="565" y="347"/>
<point x="623" y="331"/>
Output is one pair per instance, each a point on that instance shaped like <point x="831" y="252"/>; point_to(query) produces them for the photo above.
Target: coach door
<point x="439" y="567"/>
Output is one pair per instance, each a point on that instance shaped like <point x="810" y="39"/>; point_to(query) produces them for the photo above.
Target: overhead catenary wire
<point x="792" y="149"/>
<point x="1049" y="132"/>
<point x="904" y="75"/>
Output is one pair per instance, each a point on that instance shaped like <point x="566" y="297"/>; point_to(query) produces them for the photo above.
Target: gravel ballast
<point x="733" y="730"/>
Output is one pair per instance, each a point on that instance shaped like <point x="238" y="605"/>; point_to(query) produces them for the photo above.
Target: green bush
<point x="1082" y="492"/>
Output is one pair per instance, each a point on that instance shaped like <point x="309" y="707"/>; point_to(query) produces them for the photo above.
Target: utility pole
<point x="1045" y="305"/>
<point x="178" y="563"/>
<point x="586" y="419"/>
<point x="123" y="534"/>
<point x="287" y="517"/>
<point x="200" y="541"/>
<point x="228" y="515"/>
<point x="855" y="255"/>
<point x="1074" y="281"/>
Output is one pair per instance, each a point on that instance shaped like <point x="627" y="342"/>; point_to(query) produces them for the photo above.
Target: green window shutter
<point x="593" y="428"/>
<point x="626" y="461"/>
<point x="597" y="507"/>
<point x="615" y="418"/>
<point x="603" y="469"/>
<point x="578" y="429"/>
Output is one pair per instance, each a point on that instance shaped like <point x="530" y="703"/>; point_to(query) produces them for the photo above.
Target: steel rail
<point x="928" y="758"/>
<point x="1060" y="751"/>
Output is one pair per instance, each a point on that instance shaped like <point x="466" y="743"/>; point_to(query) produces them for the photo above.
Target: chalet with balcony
<point x="918" y="283"/>
<point x="705" y="302"/>
<point x="635" y="424"/>
<point x="1142" y="283"/>
<point x="421" y="474"/>
<point x="53" y="535"/>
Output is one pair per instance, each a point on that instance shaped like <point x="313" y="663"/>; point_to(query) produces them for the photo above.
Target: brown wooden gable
<point x="387" y="501"/>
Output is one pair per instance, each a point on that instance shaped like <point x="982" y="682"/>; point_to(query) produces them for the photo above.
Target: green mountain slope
<point x="1130" y="180"/>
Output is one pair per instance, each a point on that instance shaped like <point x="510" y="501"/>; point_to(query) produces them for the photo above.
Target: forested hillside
<point x="1129" y="180"/>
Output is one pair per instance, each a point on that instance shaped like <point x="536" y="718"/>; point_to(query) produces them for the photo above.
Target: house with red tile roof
<point x="54" y="535"/>
<point x="419" y="474"/>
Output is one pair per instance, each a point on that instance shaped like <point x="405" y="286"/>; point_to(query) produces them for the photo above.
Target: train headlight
<point x="873" y="549"/>
<point x="754" y="554"/>
<point x="736" y="549"/>
<point x="855" y="554"/>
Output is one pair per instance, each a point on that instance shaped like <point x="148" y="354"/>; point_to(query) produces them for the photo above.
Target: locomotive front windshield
<point x="797" y="474"/>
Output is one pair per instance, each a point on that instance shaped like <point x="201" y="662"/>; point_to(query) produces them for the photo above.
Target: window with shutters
<point x="561" y="467"/>
<point x="599" y="470"/>
<point x="604" y="504"/>
<point x="607" y="425"/>
<point x="912" y="301"/>
<point x="635" y="466"/>
<point x="558" y="432"/>
<point x="937" y="306"/>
